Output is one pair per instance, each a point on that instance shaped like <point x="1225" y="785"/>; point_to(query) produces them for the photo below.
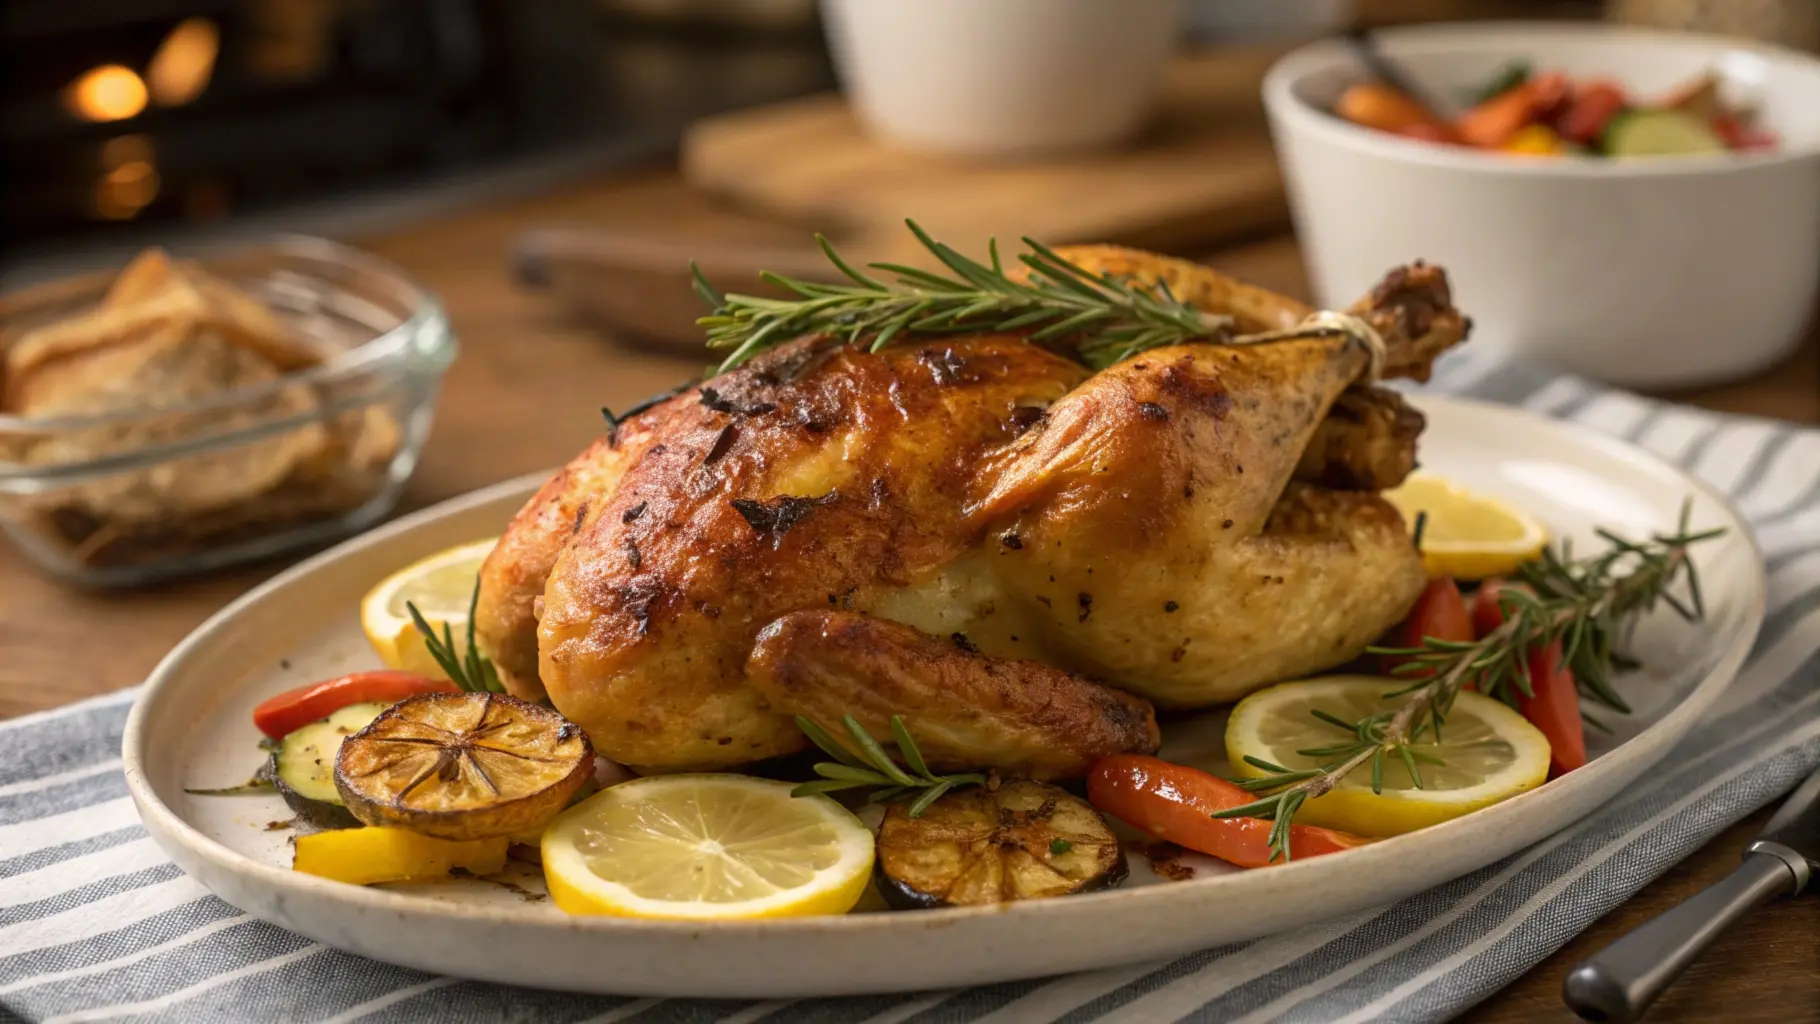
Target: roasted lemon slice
<point x="441" y="587"/>
<point x="1488" y="753"/>
<point x="463" y="766"/>
<point x="1467" y="535"/>
<point x="706" y="847"/>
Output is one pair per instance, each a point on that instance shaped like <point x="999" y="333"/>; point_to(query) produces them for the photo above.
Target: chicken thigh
<point x="1013" y="552"/>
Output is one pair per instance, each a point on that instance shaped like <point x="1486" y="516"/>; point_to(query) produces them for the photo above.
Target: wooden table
<point x="524" y="396"/>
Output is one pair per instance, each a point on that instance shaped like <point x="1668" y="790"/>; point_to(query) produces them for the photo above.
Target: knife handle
<point x="1620" y="981"/>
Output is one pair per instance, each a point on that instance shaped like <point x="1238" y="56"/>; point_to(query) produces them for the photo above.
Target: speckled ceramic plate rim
<point x="1162" y="919"/>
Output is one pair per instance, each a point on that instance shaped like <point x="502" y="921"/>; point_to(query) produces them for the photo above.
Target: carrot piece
<point x="1492" y="123"/>
<point x="1376" y="105"/>
<point x="1177" y="803"/>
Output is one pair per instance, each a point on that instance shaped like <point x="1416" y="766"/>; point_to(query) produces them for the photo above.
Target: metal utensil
<point x="1619" y="982"/>
<point x="1387" y="71"/>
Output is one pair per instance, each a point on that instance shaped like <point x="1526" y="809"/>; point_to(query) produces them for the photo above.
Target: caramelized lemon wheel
<point x="463" y="766"/>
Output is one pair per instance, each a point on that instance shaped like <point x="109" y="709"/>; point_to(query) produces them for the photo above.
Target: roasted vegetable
<point x="463" y="766"/>
<point x="291" y="710"/>
<point x="363" y="856"/>
<point x="1022" y="841"/>
<point x="1440" y="613"/>
<point x="1178" y="803"/>
<point x="303" y="767"/>
<point x="1553" y="701"/>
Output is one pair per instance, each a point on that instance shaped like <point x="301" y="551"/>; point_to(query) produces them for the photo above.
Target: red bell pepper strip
<point x="1553" y="91"/>
<point x="1553" y="702"/>
<point x="1177" y="803"/>
<point x="1487" y="612"/>
<point x="278" y="716"/>
<point x="1553" y="706"/>
<point x="1440" y="613"/>
<point x="1592" y="108"/>
<point x="1740" y="138"/>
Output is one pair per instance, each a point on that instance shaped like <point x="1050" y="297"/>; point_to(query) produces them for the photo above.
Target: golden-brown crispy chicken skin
<point x="1137" y="526"/>
<point x="1147" y="552"/>
<point x="817" y="476"/>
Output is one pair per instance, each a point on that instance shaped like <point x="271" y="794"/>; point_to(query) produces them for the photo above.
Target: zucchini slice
<point x="463" y="766"/>
<point x="1025" y="840"/>
<point x="303" y="766"/>
<point x="1660" y="133"/>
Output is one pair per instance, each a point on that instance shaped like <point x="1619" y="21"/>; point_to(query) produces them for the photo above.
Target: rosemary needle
<point x="471" y="671"/>
<point x="872" y="768"/>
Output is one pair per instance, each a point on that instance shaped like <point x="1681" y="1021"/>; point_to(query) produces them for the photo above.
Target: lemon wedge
<point x="440" y="586"/>
<point x="706" y="847"/>
<point x="1489" y="753"/>
<point x="1467" y="535"/>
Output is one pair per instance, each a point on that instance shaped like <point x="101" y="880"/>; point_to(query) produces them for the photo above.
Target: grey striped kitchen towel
<point x="96" y="925"/>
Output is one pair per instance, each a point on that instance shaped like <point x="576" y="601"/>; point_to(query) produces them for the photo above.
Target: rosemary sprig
<point x="1589" y="605"/>
<point x="1101" y="318"/>
<point x="871" y="766"/>
<point x="473" y="672"/>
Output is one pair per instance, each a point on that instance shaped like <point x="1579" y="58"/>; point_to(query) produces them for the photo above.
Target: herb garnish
<point x="1589" y="605"/>
<point x="1108" y="318"/>
<point x="473" y="673"/>
<point x="873" y="767"/>
<point x="1059" y="846"/>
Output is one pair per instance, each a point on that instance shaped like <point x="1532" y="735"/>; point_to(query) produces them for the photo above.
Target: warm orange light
<point x="107" y="93"/>
<point x="129" y="179"/>
<point x="181" y="67"/>
<point x="124" y="191"/>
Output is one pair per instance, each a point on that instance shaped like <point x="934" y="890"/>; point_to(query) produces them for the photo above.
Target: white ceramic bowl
<point x="1655" y="273"/>
<point x="1002" y="78"/>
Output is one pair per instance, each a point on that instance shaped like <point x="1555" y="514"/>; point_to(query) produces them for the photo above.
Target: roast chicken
<point x="1020" y="556"/>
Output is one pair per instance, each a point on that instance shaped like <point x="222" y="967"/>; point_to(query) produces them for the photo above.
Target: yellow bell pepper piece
<point x="363" y="856"/>
<point x="1535" y="140"/>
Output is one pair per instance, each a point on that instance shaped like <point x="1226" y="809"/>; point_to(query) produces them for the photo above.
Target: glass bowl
<point x="182" y="485"/>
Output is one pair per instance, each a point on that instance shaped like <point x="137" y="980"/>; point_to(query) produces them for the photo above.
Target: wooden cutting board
<point x="1205" y="173"/>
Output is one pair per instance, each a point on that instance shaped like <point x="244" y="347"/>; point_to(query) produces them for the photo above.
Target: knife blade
<point x="1619" y="982"/>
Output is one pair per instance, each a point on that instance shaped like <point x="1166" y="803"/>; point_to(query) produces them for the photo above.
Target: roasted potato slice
<point x="463" y="766"/>
<point x="1024" y="840"/>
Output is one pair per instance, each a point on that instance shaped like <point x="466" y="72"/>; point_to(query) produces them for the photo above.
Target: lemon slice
<point x="1489" y="753"/>
<point x="1467" y="536"/>
<point x="706" y="847"/>
<point x="440" y="586"/>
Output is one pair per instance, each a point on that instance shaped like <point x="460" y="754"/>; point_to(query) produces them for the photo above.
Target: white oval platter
<point x="191" y="728"/>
